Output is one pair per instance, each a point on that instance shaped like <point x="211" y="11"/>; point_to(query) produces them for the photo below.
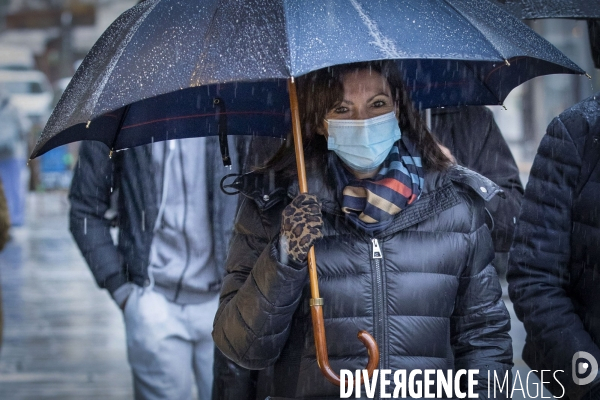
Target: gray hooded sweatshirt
<point x="182" y="266"/>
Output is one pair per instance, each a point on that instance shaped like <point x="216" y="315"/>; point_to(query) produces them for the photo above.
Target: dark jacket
<point x="554" y="261"/>
<point x="433" y="301"/>
<point x="132" y="172"/>
<point x="474" y="139"/>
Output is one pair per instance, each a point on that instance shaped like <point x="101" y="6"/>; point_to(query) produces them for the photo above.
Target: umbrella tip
<point x="507" y="63"/>
<point x="110" y="154"/>
<point x="88" y="124"/>
<point x="28" y="161"/>
<point x="588" y="75"/>
<point x="503" y="106"/>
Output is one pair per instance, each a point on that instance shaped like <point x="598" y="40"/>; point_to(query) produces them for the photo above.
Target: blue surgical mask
<point x="363" y="145"/>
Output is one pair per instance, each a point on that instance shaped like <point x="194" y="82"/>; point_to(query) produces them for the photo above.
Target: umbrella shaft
<point x="297" y="132"/>
<point x="302" y="182"/>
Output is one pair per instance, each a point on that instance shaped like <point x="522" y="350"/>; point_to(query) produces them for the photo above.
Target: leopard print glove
<point x="301" y="224"/>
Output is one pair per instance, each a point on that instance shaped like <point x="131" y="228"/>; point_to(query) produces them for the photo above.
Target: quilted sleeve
<point x="259" y="294"/>
<point x="480" y="322"/>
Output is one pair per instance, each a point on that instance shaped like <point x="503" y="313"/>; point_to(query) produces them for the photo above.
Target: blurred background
<point x="63" y="337"/>
<point x="42" y="42"/>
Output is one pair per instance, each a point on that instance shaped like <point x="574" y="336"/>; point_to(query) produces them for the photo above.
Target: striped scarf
<point x="371" y="203"/>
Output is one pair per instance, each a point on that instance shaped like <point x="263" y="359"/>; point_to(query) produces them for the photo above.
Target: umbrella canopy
<point x="534" y="9"/>
<point x="451" y="52"/>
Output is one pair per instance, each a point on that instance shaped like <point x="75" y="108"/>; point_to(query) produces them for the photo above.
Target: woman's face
<point x="367" y="95"/>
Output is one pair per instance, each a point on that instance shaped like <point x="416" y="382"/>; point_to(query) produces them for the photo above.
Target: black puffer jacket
<point x="433" y="301"/>
<point x="555" y="258"/>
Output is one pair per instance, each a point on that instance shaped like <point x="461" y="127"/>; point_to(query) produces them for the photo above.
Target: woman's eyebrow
<point x="371" y="98"/>
<point x="379" y="94"/>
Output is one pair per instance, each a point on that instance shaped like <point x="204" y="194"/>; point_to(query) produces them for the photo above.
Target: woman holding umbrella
<point x="401" y="246"/>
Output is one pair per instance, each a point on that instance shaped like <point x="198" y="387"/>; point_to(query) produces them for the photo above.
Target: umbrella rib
<point x="383" y="43"/>
<point x="196" y="72"/>
<point x="121" y="52"/>
<point x="483" y="80"/>
<point x="474" y="26"/>
<point x="287" y="41"/>
<point x="200" y="77"/>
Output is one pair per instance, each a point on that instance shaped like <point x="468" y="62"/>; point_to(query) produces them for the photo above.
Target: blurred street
<point x="64" y="338"/>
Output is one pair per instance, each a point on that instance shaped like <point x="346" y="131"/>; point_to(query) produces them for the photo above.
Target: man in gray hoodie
<point x="165" y="269"/>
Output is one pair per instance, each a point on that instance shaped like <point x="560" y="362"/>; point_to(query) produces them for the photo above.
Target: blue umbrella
<point x="175" y="68"/>
<point x="451" y="52"/>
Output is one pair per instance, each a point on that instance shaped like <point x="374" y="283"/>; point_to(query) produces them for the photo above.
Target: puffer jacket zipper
<point x="379" y="316"/>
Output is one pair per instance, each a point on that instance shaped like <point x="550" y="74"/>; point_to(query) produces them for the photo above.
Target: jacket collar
<point x="481" y="185"/>
<point x="440" y="192"/>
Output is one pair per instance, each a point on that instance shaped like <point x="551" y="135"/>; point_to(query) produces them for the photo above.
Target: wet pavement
<point x="63" y="337"/>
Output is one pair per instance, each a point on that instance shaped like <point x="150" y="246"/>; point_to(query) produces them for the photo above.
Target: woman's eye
<point x="340" y="110"/>
<point x="379" y="103"/>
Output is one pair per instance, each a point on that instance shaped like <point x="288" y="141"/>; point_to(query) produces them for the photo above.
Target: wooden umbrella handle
<point x="316" y="310"/>
<point x="316" y="302"/>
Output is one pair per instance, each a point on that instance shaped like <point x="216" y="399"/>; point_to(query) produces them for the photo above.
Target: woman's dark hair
<point x="321" y="90"/>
